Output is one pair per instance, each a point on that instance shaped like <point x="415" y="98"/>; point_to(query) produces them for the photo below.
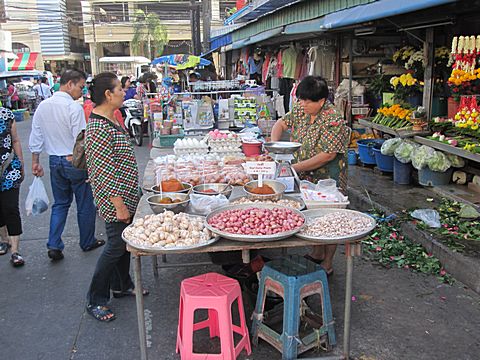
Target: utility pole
<point x="206" y="13"/>
<point x="195" y="27"/>
<point x="94" y="48"/>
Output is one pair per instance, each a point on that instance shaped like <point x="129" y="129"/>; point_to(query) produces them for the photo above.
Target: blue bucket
<point x="384" y="162"/>
<point x="352" y="157"/>
<point x="402" y="173"/>
<point x="18" y="115"/>
<point x="365" y="150"/>
<point x="427" y="177"/>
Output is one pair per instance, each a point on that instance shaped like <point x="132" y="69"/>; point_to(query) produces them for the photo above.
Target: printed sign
<point x="260" y="167"/>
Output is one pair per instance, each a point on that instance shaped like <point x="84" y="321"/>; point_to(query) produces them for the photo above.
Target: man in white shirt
<point x="42" y="89"/>
<point x="55" y="126"/>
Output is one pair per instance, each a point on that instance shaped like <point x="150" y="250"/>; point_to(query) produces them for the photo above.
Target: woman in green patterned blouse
<point x="320" y="128"/>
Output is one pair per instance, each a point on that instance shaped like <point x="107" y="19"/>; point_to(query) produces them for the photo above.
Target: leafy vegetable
<point x="389" y="146"/>
<point x="421" y="156"/>
<point x="456" y="161"/>
<point x="404" y="151"/>
<point x="439" y="162"/>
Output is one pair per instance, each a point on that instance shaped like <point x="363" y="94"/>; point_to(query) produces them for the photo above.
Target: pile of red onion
<point x="256" y="221"/>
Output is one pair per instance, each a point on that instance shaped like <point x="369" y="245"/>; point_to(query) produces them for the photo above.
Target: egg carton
<point x="190" y="151"/>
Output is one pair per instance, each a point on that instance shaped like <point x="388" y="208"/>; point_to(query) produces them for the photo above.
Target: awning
<point x="24" y="61"/>
<point x="239" y="44"/>
<point x="220" y="41"/>
<point x="264" y="7"/>
<point x="362" y="13"/>
<point x="377" y="10"/>
<point x="264" y="36"/>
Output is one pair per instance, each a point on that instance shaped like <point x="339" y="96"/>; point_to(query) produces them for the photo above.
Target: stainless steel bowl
<point x="186" y="189"/>
<point x="282" y="147"/>
<point x="223" y="189"/>
<point x="157" y="207"/>
<point x="277" y="186"/>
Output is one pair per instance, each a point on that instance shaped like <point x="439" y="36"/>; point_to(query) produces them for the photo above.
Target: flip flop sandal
<point x="101" y="313"/>
<point x="4" y="248"/>
<point x="17" y="260"/>
<point x="95" y="245"/>
<point x="129" y="292"/>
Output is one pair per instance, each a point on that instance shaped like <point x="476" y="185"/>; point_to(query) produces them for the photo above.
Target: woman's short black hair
<point x="124" y="80"/>
<point x="100" y="84"/>
<point x="313" y="88"/>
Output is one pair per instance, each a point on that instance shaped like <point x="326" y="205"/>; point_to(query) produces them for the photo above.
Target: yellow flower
<point x="474" y="127"/>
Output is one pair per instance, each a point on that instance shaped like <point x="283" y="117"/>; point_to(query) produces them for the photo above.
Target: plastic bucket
<point x="365" y="150"/>
<point x="18" y="115"/>
<point x="352" y="157"/>
<point x="427" y="177"/>
<point x="402" y="173"/>
<point x="252" y="149"/>
<point x="384" y="162"/>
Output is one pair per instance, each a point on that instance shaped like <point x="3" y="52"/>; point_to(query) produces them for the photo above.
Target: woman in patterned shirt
<point x="319" y="127"/>
<point x="113" y="173"/>
<point x="11" y="176"/>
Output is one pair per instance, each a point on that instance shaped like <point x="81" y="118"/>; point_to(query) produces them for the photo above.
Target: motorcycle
<point x="132" y="112"/>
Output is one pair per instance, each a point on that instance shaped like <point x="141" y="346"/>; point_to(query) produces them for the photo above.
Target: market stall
<point x="243" y="243"/>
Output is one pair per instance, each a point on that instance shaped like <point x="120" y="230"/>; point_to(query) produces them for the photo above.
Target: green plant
<point x="149" y="35"/>
<point x="379" y="84"/>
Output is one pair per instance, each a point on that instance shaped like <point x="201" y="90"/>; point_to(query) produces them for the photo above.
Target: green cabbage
<point x="456" y="161"/>
<point x="389" y="146"/>
<point x="404" y="151"/>
<point x="421" y="156"/>
<point x="439" y="162"/>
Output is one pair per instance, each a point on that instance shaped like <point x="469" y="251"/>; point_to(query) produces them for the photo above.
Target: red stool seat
<point x="216" y="293"/>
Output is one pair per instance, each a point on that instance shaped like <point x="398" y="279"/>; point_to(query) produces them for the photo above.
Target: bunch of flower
<point x="416" y="62"/>
<point x="463" y="82"/>
<point x="460" y="76"/>
<point x="396" y="111"/>
<point x="442" y="138"/>
<point x="467" y="118"/>
<point x="402" y="55"/>
<point x="404" y="80"/>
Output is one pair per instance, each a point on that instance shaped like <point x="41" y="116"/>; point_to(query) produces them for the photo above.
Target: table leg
<point x="246" y="256"/>
<point x="140" y="307"/>
<point x="155" y="265"/>
<point x="348" y="301"/>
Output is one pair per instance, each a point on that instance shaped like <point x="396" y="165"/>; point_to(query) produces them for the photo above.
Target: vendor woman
<point x="320" y="128"/>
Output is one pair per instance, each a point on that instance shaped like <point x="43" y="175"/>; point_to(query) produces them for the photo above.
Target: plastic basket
<point x="169" y="140"/>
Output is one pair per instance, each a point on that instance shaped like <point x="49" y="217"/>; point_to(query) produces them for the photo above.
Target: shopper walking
<point x="55" y="126"/>
<point x="114" y="175"/>
<point x="11" y="176"/>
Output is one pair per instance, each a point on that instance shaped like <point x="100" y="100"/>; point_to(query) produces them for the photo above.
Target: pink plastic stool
<point x="216" y="293"/>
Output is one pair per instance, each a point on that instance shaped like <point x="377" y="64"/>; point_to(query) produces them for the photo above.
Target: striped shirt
<point x="111" y="165"/>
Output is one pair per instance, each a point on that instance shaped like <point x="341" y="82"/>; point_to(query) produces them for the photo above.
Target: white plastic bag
<point x="205" y="204"/>
<point x="428" y="216"/>
<point x="37" y="199"/>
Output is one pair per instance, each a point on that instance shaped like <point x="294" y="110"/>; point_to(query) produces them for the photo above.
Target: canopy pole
<point x="429" y="55"/>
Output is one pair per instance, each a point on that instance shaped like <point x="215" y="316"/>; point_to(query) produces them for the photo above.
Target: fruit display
<point x="256" y="221"/>
<point x="336" y="224"/>
<point x="167" y="230"/>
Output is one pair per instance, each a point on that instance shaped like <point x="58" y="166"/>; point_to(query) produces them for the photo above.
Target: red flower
<point x="392" y="258"/>
<point x="443" y="272"/>
<point x="378" y="248"/>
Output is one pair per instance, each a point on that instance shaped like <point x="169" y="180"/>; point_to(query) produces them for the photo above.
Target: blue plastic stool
<point x="293" y="278"/>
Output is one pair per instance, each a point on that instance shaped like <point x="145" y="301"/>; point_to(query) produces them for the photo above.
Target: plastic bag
<point x="456" y="161"/>
<point x="389" y="146"/>
<point x="205" y="204"/>
<point x="428" y="216"/>
<point x="404" y="151"/>
<point x="439" y="162"/>
<point x="37" y="199"/>
<point x="421" y="156"/>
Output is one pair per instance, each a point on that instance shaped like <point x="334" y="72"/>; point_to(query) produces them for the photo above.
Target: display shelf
<point x="447" y="148"/>
<point x="390" y="131"/>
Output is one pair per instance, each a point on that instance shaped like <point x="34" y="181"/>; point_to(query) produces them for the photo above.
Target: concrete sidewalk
<point x="397" y="314"/>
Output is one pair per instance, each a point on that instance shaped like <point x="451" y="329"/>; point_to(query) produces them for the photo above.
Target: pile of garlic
<point x="168" y="230"/>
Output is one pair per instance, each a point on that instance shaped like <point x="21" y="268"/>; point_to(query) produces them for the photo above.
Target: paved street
<point x="396" y="314"/>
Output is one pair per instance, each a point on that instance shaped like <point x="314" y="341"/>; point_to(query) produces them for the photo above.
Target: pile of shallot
<point x="257" y="221"/>
<point x="168" y="230"/>
<point x="337" y="224"/>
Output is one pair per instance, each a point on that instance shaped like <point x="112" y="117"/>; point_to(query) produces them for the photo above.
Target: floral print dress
<point x="12" y="176"/>
<point x="326" y="132"/>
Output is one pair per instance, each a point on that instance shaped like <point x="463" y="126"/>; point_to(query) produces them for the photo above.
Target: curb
<point x="461" y="267"/>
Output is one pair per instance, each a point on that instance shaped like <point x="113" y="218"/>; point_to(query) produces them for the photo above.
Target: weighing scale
<point x="282" y="152"/>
